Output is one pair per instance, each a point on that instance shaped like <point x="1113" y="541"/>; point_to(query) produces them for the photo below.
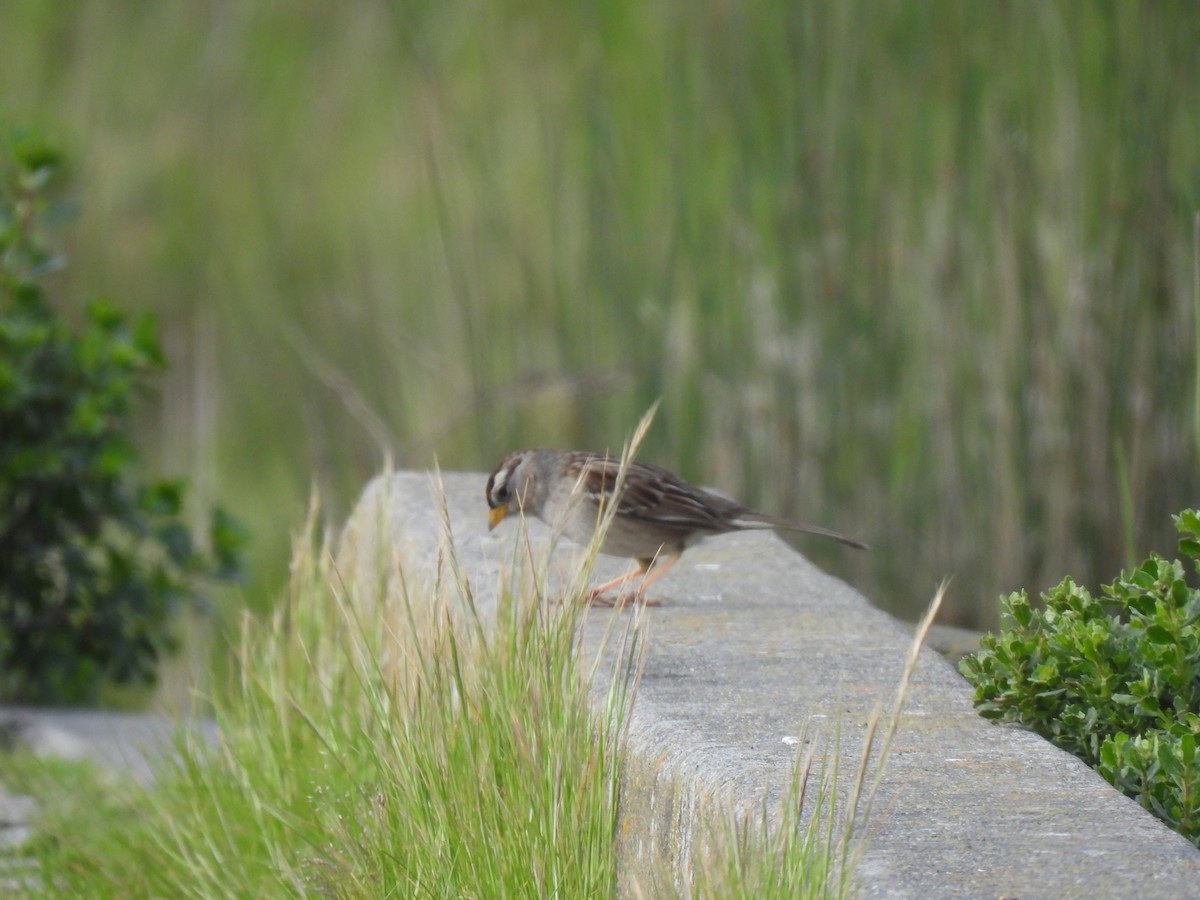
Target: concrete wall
<point x="755" y="651"/>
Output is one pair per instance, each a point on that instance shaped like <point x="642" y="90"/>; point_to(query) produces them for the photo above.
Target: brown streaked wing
<point x="599" y="474"/>
<point x="652" y="494"/>
<point x="683" y="505"/>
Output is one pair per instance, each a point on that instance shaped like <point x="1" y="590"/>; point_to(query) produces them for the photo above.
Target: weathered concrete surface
<point x="127" y="744"/>
<point x="753" y="646"/>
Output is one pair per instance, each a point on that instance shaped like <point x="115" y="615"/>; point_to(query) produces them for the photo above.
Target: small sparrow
<point x="658" y="514"/>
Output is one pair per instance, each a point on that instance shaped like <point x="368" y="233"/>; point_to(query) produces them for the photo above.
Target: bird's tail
<point x="760" y="520"/>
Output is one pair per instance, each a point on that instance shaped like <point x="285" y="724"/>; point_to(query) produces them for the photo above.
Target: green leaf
<point x="145" y="339"/>
<point x="177" y="541"/>
<point x="1159" y="634"/>
<point x="32" y="154"/>
<point x="105" y="315"/>
<point x="1188" y="522"/>
<point x="162" y="498"/>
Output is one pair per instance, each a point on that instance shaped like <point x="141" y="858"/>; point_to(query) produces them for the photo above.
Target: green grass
<point x="916" y="271"/>
<point x="386" y="745"/>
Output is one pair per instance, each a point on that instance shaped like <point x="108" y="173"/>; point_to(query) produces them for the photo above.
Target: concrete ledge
<point x="754" y="645"/>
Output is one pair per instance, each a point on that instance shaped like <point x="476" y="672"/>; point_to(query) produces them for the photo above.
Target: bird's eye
<point x="498" y="489"/>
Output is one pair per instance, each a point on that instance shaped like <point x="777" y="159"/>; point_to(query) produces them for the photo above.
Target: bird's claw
<point x="620" y="600"/>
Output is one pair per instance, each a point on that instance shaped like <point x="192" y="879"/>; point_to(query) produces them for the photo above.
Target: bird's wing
<point x="655" y="495"/>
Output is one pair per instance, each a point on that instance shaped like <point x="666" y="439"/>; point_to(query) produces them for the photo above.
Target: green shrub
<point x="92" y="561"/>
<point x="1113" y="679"/>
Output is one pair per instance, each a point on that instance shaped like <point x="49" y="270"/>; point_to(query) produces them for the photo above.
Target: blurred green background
<point x="922" y="272"/>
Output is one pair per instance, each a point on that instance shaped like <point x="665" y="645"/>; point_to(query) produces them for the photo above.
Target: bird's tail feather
<point x="760" y="520"/>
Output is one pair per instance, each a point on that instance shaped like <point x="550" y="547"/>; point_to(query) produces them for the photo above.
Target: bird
<point x="657" y="517"/>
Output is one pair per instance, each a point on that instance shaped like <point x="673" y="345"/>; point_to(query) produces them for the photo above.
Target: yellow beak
<point x="496" y="515"/>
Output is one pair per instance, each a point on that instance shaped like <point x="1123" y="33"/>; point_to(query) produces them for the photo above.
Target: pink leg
<point x="595" y="595"/>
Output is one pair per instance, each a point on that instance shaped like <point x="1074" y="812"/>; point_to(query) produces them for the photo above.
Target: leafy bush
<point x="1113" y="679"/>
<point x="92" y="561"/>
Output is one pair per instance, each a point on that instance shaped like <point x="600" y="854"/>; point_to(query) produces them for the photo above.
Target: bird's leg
<point x="652" y="575"/>
<point x="639" y="595"/>
<point x="596" y="595"/>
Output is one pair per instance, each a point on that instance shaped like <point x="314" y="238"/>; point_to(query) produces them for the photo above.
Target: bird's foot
<point x="620" y="600"/>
